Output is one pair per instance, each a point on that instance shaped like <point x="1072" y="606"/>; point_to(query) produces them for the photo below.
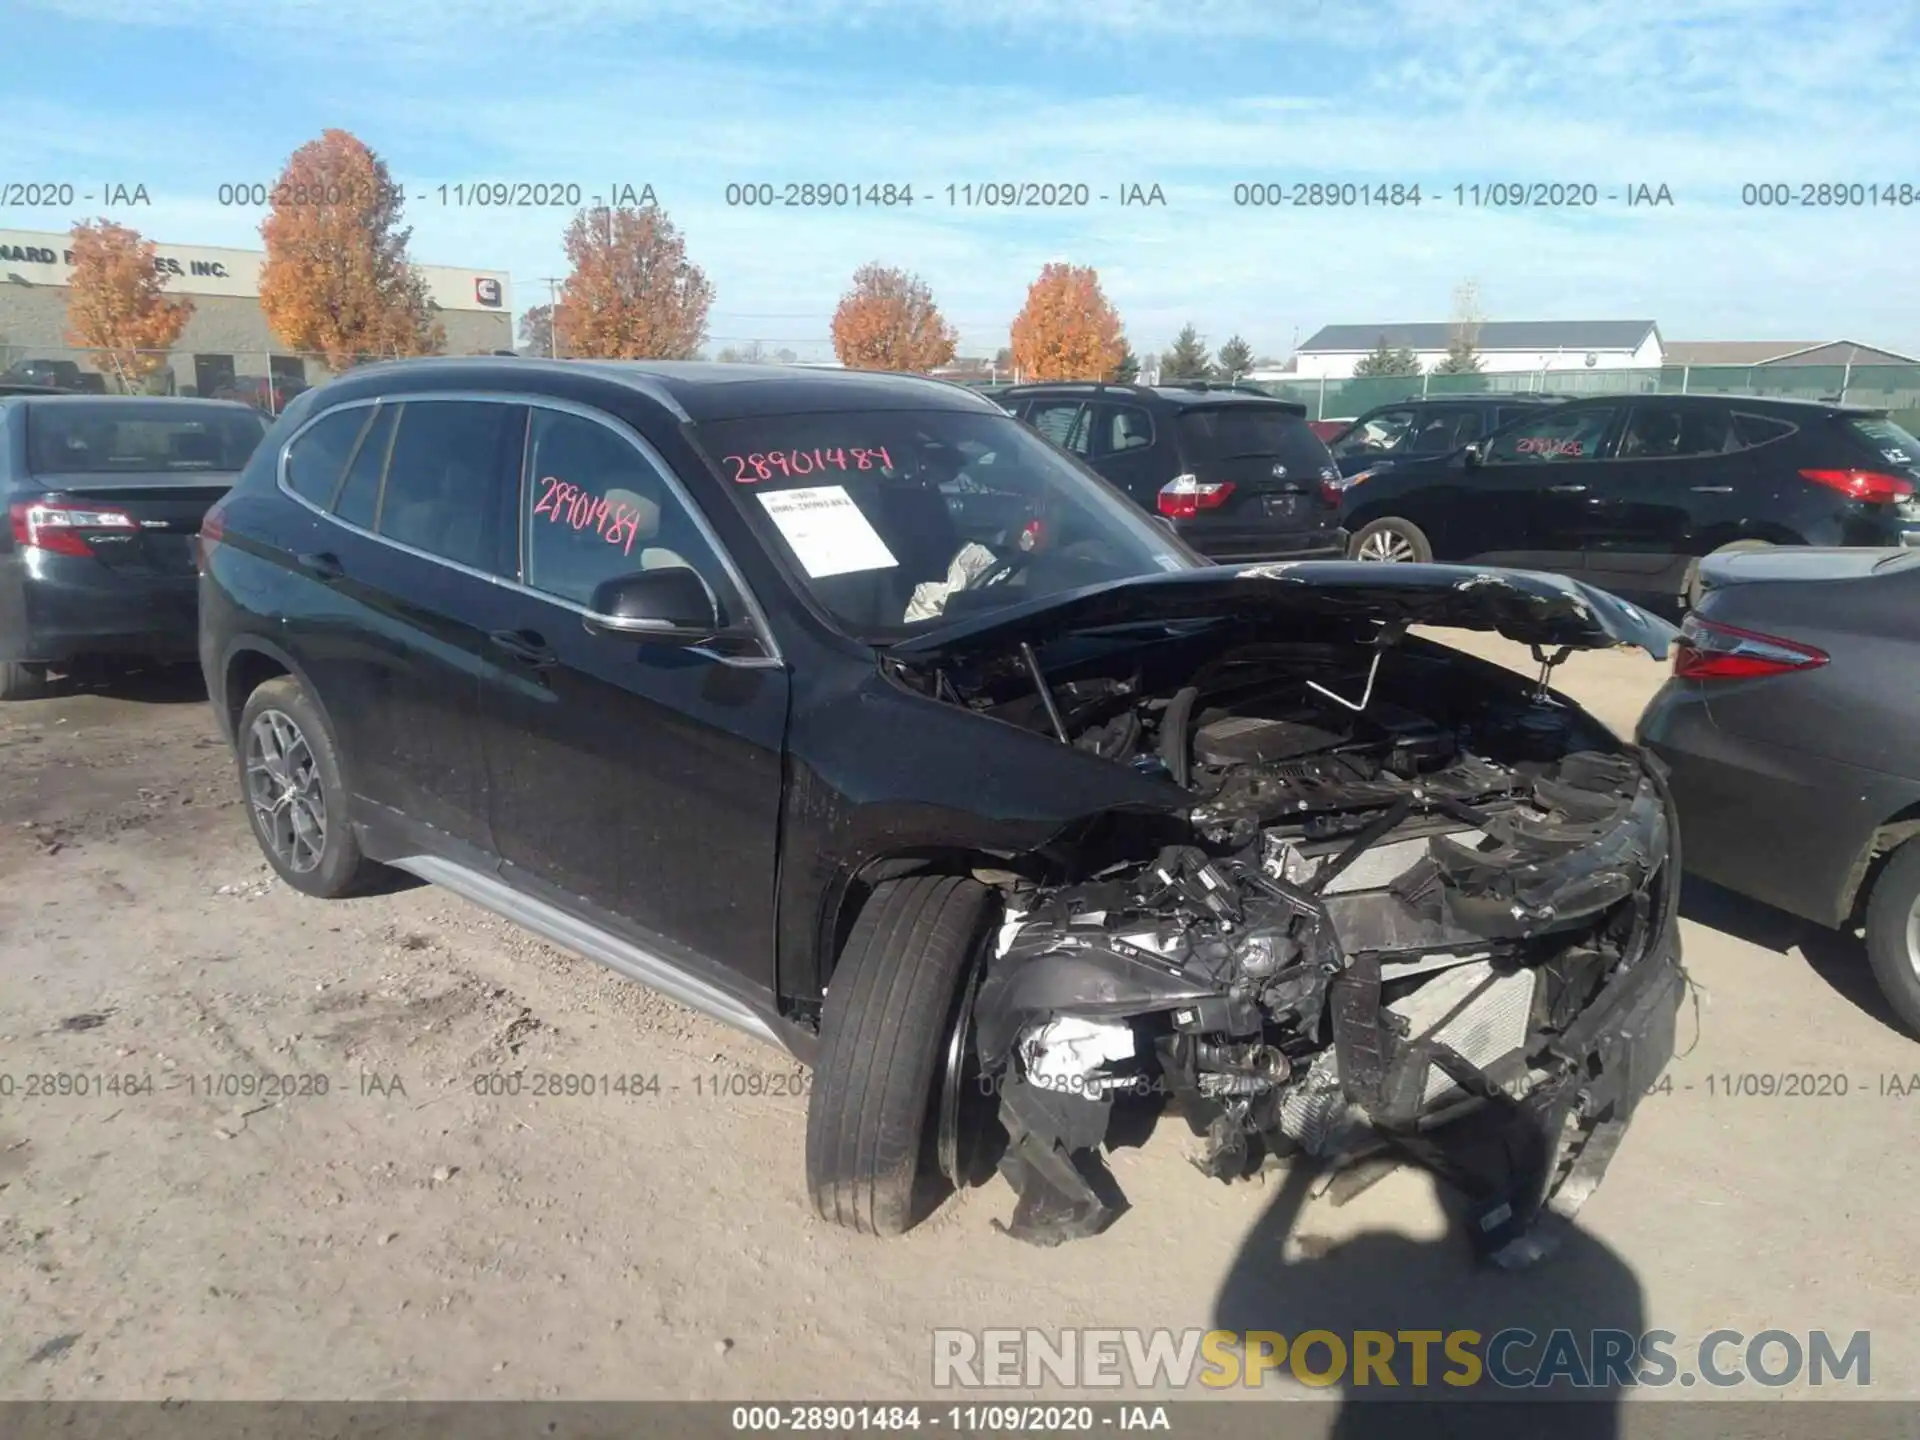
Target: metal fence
<point x="1895" y="388"/>
<point x="270" y="380"/>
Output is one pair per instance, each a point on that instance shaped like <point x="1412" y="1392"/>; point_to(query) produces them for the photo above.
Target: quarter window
<point x="317" y="459"/>
<point x="596" y="508"/>
<point x="1558" y="436"/>
<point x="1751" y="430"/>
<point x="451" y="478"/>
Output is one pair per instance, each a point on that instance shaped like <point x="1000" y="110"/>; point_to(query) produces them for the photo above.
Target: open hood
<point x="1523" y="605"/>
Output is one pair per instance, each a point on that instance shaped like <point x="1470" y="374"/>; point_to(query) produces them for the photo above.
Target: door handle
<point x="322" y="565"/>
<point x="526" y="647"/>
<point x="1712" y="489"/>
<point x="1567" y="489"/>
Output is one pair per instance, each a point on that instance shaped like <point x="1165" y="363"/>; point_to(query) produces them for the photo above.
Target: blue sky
<point x="689" y="95"/>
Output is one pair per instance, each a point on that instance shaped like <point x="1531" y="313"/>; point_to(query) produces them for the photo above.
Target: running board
<point x="572" y="933"/>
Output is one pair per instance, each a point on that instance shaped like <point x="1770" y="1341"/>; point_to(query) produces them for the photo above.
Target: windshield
<point x="896" y="521"/>
<point x="111" y="438"/>
<point x="1238" y="432"/>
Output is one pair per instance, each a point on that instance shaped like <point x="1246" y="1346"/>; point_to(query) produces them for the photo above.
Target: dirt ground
<point x="165" y="1233"/>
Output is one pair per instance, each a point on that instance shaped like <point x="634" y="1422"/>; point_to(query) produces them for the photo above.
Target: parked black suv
<point x="1628" y="492"/>
<point x="1436" y="425"/>
<point x="845" y="709"/>
<point x="1237" y="474"/>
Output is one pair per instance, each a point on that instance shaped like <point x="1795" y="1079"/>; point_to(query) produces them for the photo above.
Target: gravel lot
<point x="402" y="1235"/>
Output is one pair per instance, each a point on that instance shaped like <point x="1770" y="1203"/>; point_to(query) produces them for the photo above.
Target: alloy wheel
<point x="1388" y="547"/>
<point x="1913" y="936"/>
<point x="283" y="786"/>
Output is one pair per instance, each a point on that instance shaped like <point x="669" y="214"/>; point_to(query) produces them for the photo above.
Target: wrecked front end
<point x="1423" y="912"/>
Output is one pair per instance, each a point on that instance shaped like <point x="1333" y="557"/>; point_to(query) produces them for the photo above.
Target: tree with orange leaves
<point x="337" y="279"/>
<point x="632" y="293"/>
<point x="1067" y="330"/>
<point x="116" y="305"/>
<point x="887" y="321"/>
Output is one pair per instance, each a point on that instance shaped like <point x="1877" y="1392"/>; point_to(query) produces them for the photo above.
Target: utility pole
<point x="553" y="314"/>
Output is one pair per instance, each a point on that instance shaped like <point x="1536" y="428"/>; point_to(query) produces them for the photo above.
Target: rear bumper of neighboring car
<point x="1238" y="546"/>
<point x="1781" y="825"/>
<point x="56" y="608"/>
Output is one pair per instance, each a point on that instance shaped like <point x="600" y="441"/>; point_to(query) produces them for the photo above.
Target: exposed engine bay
<point x="1421" y="911"/>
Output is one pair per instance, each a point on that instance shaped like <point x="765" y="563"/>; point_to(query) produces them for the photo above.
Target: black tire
<point x="1695" y="589"/>
<point x="20" y="680"/>
<point x="1394" y="534"/>
<point x="1893" y="933"/>
<point x="339" y="868"/>
<point x="882" y="1034"/>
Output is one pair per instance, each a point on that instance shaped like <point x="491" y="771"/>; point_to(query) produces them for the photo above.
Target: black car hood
<point x="1523" y="605"/>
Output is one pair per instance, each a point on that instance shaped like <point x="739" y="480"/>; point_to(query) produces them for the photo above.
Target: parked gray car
<point x="104" y="496"/>
<point x="1789" y="729"/>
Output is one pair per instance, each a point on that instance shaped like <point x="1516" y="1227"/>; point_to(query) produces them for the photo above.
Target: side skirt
<point x="625" y="958"/>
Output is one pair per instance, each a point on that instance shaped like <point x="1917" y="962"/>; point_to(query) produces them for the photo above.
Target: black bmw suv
<point x="1236" y="473"/>
<point x="1629" y="492"/>
<point x="844" y="708"/>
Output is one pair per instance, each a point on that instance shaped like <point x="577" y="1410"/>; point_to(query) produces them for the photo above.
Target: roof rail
<point x="1130" y="387"/>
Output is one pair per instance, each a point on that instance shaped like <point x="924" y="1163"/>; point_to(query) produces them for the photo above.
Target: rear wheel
<point x="1893" y="933"/>
<point x="20" y="680"/>
<point x="884" y="1038"/>
<point x="290" y="775"/>
<point x="1695" y="589"/>
<point x="1391" y="541"/>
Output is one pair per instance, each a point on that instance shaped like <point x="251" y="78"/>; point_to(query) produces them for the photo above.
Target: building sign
<point x="34" y="257"/>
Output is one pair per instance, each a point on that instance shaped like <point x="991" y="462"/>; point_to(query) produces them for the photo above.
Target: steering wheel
<point x="1003" y="569"/>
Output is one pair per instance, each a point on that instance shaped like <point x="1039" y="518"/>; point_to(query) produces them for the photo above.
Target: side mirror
<point x="672" y="605"/>
<point x="1473" y="455"/>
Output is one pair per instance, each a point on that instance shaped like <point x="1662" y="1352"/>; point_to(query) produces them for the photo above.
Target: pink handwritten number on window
<point x="747" y="469"/>
<point x="567" y="504"/>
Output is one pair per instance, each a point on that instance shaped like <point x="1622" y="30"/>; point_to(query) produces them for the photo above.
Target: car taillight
<point x="60" y="524"/>
<point x="1862" y="484"/>
<point x="1709" y="650"/>
<point x="1185" y="496"/>
<point x="212" y="528"/>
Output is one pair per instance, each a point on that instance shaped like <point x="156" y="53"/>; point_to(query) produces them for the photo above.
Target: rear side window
<point x="453" y="478"/>
<point x="121" y="437"/>
<point x="1751" y="430"/>
<point x="1244" y="432"/>
<point x="317" y="460"/>
<point x="1673" y="431"/>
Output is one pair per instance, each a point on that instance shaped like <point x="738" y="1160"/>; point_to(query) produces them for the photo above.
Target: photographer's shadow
<point x="1382" y="1280"/>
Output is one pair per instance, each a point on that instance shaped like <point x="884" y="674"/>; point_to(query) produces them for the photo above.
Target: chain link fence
<point x="270" y="380"/>
<point x="1895" y="388"/>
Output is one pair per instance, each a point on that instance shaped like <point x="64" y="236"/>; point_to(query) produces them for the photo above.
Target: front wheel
<point x="1391" y="541"/>
<point x="883" y="1034"/>
<point x="1893" y="933"/>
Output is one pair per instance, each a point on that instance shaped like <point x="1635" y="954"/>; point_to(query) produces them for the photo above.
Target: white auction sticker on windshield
<point x="828" y="532"/>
